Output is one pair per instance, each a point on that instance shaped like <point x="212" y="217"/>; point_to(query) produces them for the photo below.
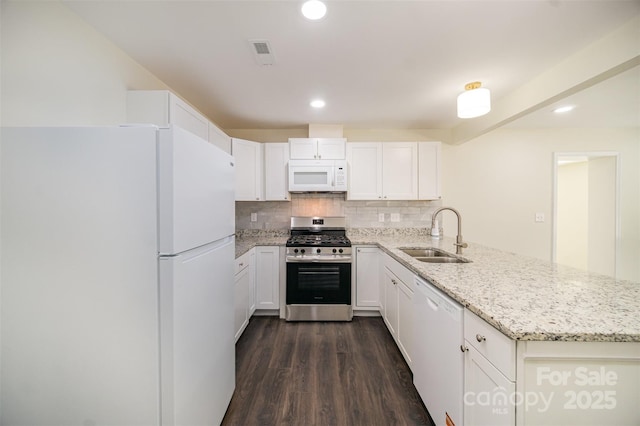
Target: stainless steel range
<point x="318" y="270"/>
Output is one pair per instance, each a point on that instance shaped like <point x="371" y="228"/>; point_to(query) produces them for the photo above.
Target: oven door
<point x="316" y="283"/>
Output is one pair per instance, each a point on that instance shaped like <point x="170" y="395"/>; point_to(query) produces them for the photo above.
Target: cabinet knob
<point x="480" y="338"/>
<point x="241" y="264"/>
<point x="394" y="282"/>
<point x="463" y="348"/>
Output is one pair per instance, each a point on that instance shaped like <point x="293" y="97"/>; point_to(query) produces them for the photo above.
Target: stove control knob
<point x="340" y="250"/>
<point x="302" y="251"/>
<point x="334" y="250"/>
<point x="295" y="250"/>
<point x="318" y="251"/>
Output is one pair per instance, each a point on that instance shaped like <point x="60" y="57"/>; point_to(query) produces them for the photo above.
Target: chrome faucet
<point x="459" y="243"/>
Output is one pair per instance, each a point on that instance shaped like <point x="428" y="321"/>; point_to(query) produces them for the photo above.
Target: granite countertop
<point x="246" y="240"/>
<point x="523" y="297"/>
<point x="526" y="298"/>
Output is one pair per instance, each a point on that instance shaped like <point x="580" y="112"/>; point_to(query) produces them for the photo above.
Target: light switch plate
<point x="380" y="217"/>
<point x="254" y="217"/>
<point x="395" y="217"/>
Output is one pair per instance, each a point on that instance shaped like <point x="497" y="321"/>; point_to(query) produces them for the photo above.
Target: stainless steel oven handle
<point x="324" y="260"/>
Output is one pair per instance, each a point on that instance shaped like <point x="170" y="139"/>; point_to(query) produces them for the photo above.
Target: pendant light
<point x="474" y="101"/>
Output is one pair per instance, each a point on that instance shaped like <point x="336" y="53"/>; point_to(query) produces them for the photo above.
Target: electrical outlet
<point x="254" y="217"/>
<point x="395" y="217"/>
<point x="380" y="217"/>
<point x="539" y="217"/>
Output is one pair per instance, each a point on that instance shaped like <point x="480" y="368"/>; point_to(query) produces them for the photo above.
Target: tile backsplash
<point x="360" y="214"/>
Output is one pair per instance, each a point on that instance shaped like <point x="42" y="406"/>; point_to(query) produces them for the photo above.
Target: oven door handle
<point x="325" y="260"/>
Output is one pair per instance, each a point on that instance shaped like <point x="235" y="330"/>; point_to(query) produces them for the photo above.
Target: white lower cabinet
<point x="367" y="278"/>
<point x="244" y="291"/>
<point x="267" y="277"/>
<point x="390" y="283"/>
<point x="487" y="392"/>
<point x="489" y="374"/>
<point x="398" y="305"/>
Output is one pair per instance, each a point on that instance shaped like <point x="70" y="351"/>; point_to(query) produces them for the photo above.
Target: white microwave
<point x="317" y="175"/>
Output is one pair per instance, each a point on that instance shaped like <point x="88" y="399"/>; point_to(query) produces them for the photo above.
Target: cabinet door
<point x="185" y="116"/>
<point x="241" y="301"/>
<point x="162" y="108"/>
<point x="303" y="149"/>
<point x="219" y="138"/>
<point x="251" y="303"/>
<point x="487" y="392"/>
<point x="405" y="321"/>
<point x="429" y="154"/>
<point x="400" y="170"/>
<point x="331" y="148"/>
<point x="276" y="157"/>
<point x="248" y="157"/>
<point x="367" y="277"/>
<point x="267" y="277"/>
<point x="391" y="302"/>
<point x="364" y="166"/>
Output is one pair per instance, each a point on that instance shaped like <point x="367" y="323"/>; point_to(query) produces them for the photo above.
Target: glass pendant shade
<point x="474" y="102"/>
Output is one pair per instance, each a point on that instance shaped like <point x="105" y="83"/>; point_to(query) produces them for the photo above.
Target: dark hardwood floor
<point x="322" y="373"/>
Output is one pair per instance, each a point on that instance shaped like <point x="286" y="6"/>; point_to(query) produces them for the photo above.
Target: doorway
<point x="586" y="214"/>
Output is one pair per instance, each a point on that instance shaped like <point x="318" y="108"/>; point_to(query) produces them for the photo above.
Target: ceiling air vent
<point x="262" y="52"/>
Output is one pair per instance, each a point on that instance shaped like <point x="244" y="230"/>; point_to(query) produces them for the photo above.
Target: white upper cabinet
<point x="382" y="171"/>
<point x="248" y="157"/>
<point x="400" y="171"/>
<point x="219" y="138"/>
<point x="429" y="170"/>
<point x="317" y="148"/>
<point x="364" y="168"/>
<point x="162" y="108"/>
<point x="276" y="157"/>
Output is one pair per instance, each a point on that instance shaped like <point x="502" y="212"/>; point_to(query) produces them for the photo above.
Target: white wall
<point x="500" y="180"/>
<point x="602" y="215"/>
<point x="57" y="70"/>
<point x="572" y="238"/>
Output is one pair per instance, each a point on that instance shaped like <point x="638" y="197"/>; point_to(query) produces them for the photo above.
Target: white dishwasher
<point x="438" y="362"/>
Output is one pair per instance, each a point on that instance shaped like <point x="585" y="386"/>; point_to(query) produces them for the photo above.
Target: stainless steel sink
<point x="432" y="255"/>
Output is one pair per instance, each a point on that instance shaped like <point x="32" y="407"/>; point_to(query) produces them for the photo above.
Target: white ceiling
<point x="612" y="103"/>
<point x="377" y="64"/>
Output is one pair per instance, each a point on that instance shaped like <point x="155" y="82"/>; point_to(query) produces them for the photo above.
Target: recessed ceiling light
<point x="562" y="109"/>
<point x="314" y="9"/>
<point x="318" y="103"/>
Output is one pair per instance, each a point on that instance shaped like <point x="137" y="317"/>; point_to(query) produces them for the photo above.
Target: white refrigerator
<point x="116" y="277"/>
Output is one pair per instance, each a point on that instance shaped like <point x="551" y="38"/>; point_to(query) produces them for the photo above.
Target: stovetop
<point x="318" y="240"/>
<point x="318" y="232"/>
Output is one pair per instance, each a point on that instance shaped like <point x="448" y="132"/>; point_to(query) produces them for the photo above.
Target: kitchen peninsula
<point x="570" y="336"/>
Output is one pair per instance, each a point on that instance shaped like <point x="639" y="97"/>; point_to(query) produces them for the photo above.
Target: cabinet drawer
<point x="242" y="262"/>
<point x="400" y="271"/>
<point x="491" y="343"/>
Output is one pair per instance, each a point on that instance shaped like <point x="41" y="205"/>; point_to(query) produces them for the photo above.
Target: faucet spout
<point x="459" y="243"/>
